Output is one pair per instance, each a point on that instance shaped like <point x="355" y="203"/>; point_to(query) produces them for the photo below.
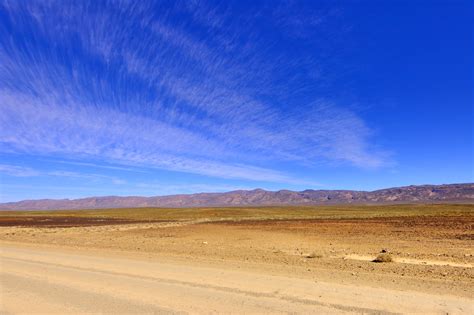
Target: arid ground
<point x="266" y="260"/>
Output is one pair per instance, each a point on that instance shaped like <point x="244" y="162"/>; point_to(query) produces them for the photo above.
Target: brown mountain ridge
<point x="452" y="193"/>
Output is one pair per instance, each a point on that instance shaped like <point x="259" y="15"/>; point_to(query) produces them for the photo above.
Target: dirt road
<point x="45" y="280"/>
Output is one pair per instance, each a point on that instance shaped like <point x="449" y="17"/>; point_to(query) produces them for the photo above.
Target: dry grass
<point x="383" y="258"/>
<point x="314" y="255"/>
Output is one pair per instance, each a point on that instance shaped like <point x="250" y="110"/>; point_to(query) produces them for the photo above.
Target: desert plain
<point x="311" y="259"/>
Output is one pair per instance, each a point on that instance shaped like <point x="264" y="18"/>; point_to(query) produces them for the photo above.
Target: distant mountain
<point x="455" y="193"/>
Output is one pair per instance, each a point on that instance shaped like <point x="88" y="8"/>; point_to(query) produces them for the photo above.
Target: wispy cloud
<point x="134" y="85"/>
<point x="19" y="171"/>
<point x="167" y="189"/>
<point x="100" y="166"/>
<point x="131" y="140"/>
<point x="22" y="171"/>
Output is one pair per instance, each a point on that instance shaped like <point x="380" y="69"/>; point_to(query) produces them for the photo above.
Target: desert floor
<point x="240" y="260"/>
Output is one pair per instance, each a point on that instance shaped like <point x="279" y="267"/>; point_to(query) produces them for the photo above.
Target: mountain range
<point x="452" y="193"/>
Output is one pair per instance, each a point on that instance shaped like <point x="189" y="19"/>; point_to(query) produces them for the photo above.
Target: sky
<point x="165" y="97"/>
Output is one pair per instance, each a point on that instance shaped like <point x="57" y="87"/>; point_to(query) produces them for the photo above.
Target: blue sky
<point x="154" y="98"/>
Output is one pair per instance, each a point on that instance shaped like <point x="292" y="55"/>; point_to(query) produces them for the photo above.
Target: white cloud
<point x="167" y="99"/>
<point x="115" y="137"/>
<point x="19" y="171"/>
<point x="23" y="171"/>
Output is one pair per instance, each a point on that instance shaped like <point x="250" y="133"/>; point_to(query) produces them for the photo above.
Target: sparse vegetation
<point x="251" y="213"/>
<point x="314" y="255"/>
<point x="383" y="258"/>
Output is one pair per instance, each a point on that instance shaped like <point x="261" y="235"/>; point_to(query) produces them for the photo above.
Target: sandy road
<point x="54" y="281"/>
